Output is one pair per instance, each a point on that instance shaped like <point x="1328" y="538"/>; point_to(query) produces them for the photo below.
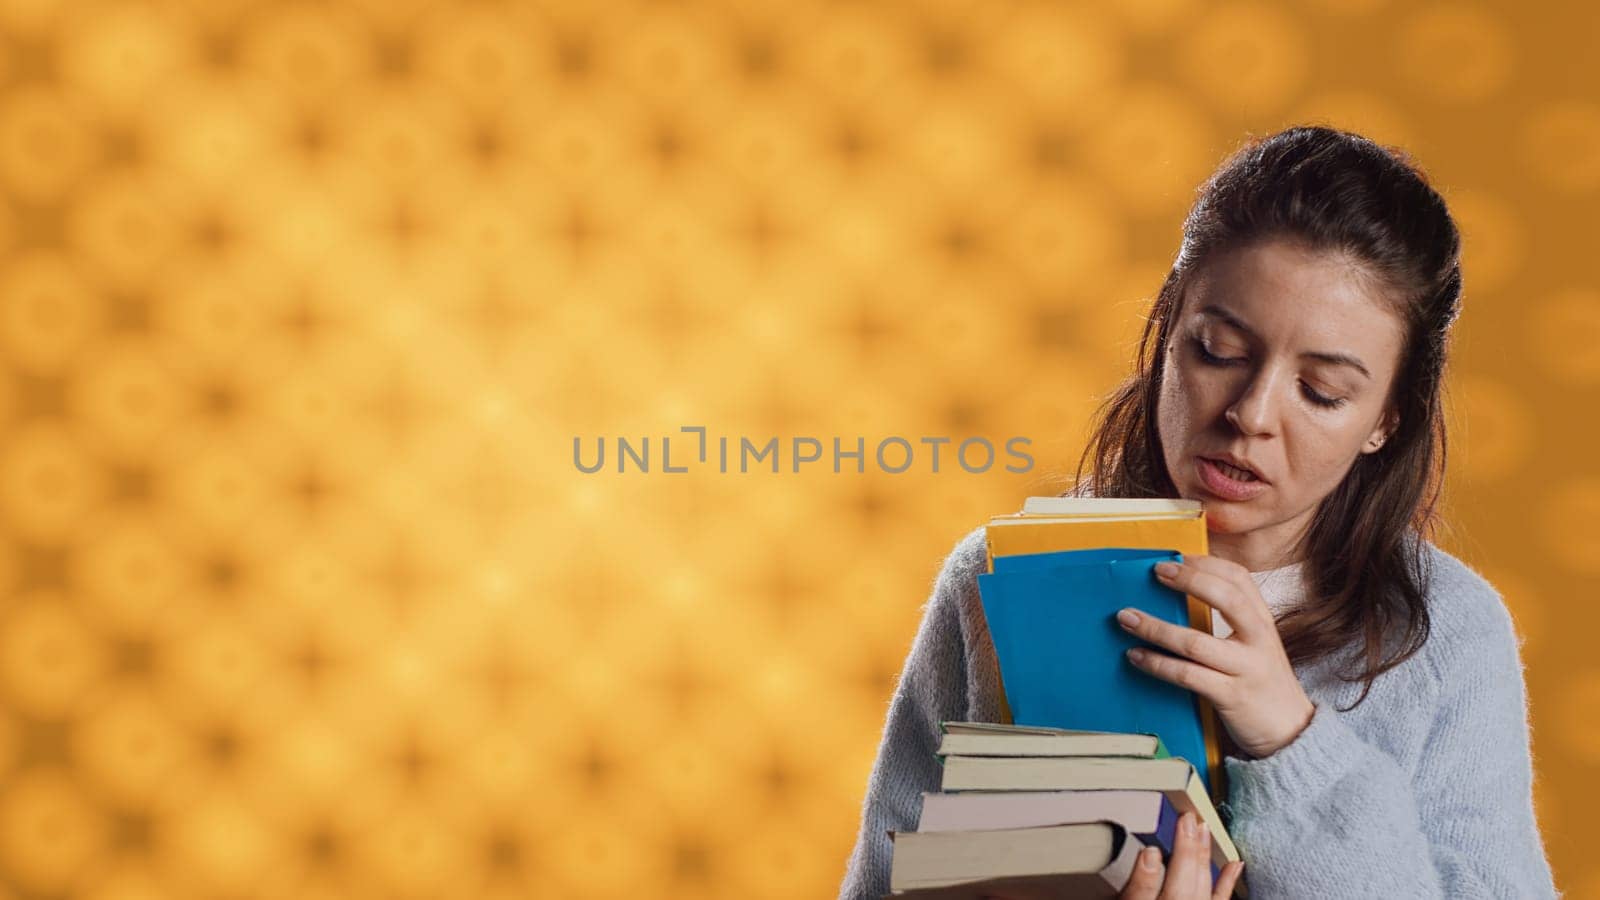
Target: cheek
<point x="1183" y="414"/>
<point x="1172" y="412"/>
<point x="1322" y="457"/>
<point x="1188" y="401"/>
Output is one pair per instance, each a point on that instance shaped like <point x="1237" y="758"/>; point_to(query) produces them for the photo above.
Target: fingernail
<point x="1188" y="824"/>
<point x="1150" y="859"/>
<point x="1128" y="617"/>
<point x="1136" y="654"/>
<point x="1166" y="568"/>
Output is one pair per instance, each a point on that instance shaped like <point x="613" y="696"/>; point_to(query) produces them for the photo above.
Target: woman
<point x="1289" y="378"/>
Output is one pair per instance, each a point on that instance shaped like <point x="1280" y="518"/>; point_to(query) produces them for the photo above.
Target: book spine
<point x="1209" y="721"/>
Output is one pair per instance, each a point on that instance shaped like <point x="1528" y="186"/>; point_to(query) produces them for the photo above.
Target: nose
<point x="1254" y="411"/>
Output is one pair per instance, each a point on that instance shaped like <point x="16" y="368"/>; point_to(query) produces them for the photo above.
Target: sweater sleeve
<point x="932" y="688"/>
<point x="1332" y="815"/>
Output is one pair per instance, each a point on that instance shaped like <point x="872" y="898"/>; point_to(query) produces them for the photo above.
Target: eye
<point x="1211" y="359"/>
<point x="1319" y="399"/>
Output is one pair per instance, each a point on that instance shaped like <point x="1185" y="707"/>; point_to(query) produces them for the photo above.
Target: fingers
<point x="1206" y="649"/>
<point x="1202" y="869"/>
<point x="1145" y="882"/>
<point x="1188" y="874"/>
<point x="1228" y="571"/>
<point x="1191" y="857"/>
<point x="1192" y="676"/>
<point x="1210" y="581"/>
<point x="1227" y="880"/>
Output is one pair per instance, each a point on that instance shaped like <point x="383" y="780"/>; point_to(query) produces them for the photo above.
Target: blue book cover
<point x="1063" y="656"/>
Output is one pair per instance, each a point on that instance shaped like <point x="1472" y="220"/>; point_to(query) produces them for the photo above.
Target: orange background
<point x="303" y="305"/>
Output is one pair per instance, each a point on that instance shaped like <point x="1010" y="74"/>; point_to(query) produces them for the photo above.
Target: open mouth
<point x="1234" y="472"/>
<point x="1228" y="482"/>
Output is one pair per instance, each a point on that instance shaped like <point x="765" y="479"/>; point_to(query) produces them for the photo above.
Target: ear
<point x="1381" y="433"/>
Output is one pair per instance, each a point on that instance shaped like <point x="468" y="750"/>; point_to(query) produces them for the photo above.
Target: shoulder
<point x="962" y="565"/>
<point x="1459" y="594"/>
<point x="951" y="615"/>
<point x="1468" y="621"/>
<point x="954" y="598"/>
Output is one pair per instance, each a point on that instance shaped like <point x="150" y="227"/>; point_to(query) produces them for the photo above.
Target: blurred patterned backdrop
<point x="303" y="305"/>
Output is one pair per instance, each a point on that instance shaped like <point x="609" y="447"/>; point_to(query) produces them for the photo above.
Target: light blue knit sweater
<point x="1424" y="790"/>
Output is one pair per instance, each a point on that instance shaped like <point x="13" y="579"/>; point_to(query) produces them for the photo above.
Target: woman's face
<point x="1302" y="353"/>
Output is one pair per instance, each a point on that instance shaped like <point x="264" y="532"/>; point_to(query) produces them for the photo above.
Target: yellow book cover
<point x="1050" y="524"/>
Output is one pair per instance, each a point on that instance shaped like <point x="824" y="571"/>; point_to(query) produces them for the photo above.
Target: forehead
<point x="1290" y="294"/>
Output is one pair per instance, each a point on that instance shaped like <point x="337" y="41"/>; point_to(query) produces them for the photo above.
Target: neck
<point x="1259" y="550"/>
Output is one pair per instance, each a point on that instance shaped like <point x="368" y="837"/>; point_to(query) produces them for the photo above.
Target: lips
<point x="1235" y="462"/>
<point x="1216" y="481"/>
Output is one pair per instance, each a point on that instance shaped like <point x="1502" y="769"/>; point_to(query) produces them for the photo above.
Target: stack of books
<point x="1095" y="759"/>
<point x="1028" y="813"/>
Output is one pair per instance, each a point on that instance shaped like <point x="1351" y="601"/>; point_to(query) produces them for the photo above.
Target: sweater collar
<point x="1282" y="587"/>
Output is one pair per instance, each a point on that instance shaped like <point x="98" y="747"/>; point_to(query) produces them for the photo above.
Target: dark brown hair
<point x="1330" y="191"/>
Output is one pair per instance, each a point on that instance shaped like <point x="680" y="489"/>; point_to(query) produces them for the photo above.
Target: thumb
<point x="1145" y="882"/>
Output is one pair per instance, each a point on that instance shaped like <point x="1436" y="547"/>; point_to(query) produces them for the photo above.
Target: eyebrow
<point x="1343" y="359"/>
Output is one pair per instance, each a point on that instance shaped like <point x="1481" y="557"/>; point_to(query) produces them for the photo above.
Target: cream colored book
<point x="1088" y="860"/>
<point x="1174" y="777"/>
<point x="996" y="739"/>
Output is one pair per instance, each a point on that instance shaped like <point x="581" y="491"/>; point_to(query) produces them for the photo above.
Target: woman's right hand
<point x="1189" y="876"/>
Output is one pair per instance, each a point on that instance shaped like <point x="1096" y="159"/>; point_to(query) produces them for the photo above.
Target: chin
<point x="1228" y="518"/>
